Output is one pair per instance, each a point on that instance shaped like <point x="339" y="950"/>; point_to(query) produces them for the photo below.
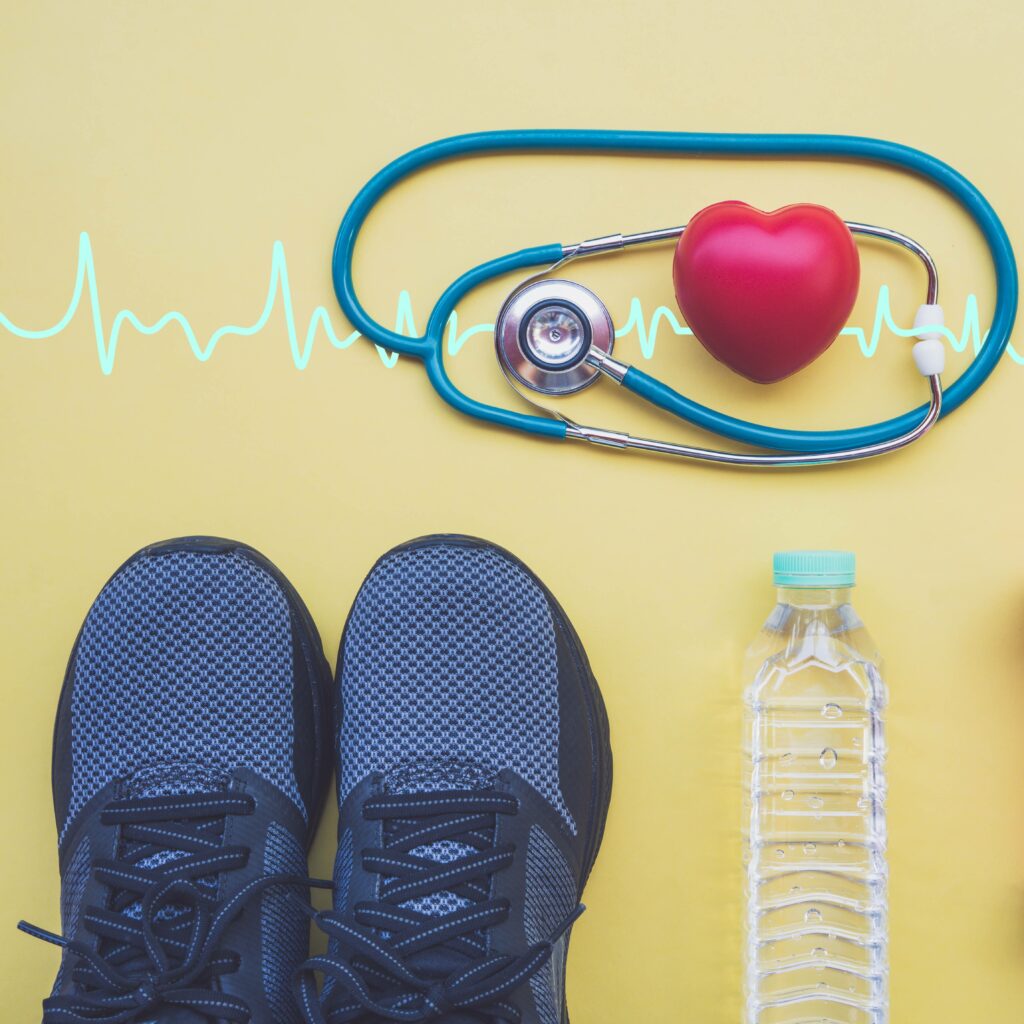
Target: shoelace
<point x="160" y="932"/>
<point x="391" y="962"/>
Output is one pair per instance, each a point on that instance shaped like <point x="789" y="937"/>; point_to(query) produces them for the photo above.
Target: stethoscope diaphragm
<point x="546" y="331"/>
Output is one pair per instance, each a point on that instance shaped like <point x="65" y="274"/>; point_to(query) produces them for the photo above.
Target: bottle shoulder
<point x="820" y="650"/>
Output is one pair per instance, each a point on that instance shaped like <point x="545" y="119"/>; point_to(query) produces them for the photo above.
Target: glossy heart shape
<point x="766" y="293"/>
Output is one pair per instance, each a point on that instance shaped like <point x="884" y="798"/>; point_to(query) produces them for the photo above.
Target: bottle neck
<point x="815" y="597"/>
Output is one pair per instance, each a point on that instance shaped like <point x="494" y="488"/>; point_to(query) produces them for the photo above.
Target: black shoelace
<point x="160" y="932"/>
<point x="390" y="961"/>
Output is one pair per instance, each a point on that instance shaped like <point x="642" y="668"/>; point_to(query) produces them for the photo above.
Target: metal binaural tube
<point x="898" y="238"/>
<point x="617" y="439"/>
<point x="612" y="243"/>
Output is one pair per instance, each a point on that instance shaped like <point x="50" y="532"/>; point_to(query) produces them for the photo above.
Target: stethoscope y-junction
<point x="554" y="337"/>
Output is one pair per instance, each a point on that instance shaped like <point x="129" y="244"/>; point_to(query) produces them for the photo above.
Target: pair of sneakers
<point x="196" y="735"/>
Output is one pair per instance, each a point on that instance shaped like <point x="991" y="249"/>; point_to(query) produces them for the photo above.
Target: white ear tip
<point x="929" y="315"/>
<point x="930" y="356"/>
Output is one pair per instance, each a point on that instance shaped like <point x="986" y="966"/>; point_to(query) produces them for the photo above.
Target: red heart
<point x="766" y="293"/>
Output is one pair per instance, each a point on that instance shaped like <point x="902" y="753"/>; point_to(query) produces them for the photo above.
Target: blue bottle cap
<point x="814" y="568"/>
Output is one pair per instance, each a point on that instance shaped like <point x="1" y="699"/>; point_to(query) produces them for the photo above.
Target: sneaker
<point x="474" y="775"/>
<point x="191" y="755"/>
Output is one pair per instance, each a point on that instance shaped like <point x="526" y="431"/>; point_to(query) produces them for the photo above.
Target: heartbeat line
<point x="645" y="327"/>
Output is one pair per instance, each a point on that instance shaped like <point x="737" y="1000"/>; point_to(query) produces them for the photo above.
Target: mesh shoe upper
<point x="474" y="776"/>
<point x="450" y="654"/>
<point x="185" y="656"/>
<point x="191" y="753"/>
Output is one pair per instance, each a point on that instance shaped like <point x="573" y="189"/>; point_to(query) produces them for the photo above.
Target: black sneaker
<point x="474" y="773"/>
<point x="191" y="754"/>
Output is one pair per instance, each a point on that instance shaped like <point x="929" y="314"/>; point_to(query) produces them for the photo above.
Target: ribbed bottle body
<point x="816" y="925"/>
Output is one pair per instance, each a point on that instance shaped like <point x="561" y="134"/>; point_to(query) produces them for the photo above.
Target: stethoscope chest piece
<point x="547" y="332"/>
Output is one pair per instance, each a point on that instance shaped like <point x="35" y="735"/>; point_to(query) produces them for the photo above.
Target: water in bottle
<point x="816" y="932"/>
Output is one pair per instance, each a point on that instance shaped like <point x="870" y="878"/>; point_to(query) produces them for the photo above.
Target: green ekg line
<point x="646" y="328"/>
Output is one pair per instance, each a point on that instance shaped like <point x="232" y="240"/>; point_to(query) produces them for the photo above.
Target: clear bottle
<point x="816" y="922"/>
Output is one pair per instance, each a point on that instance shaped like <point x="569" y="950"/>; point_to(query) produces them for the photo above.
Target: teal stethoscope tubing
<point x="430" y="346"/>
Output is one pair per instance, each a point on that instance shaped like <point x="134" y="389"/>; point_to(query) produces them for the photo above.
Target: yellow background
<point x="186" y="138"/>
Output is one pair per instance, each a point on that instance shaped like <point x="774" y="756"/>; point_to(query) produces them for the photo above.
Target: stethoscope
<point x="554" y="336"/>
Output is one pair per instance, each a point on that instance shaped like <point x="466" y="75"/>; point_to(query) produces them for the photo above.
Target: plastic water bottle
<point x="816" y="928"/>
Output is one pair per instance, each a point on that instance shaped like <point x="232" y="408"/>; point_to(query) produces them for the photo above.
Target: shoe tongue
<point x="176" y="779"/>
<point x="173" y="779"/>
<point x="433" y="776"/>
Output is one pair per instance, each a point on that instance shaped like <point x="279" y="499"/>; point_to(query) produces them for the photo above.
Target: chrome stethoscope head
<point x="547" y="335"/>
